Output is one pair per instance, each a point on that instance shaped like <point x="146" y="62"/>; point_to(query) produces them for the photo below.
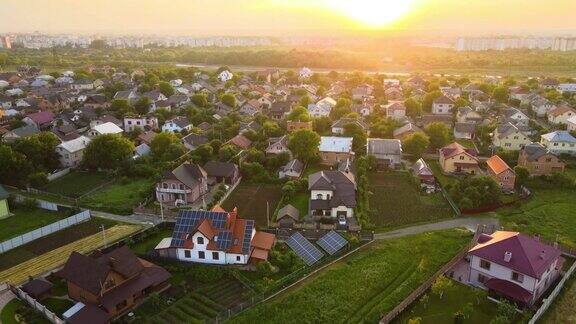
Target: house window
<point x="200" y="240"/>
<point x="187" y="254"/>
<point x="517" y="277"/>
<point x="319" y="196"/>
<point x="138" y="123"/>
<point x="201" y="255"/>
<point x="484" y="264"/>
<point x="462" y="157"/>
<point x="165" y="185"/>
<point x="238" y="258"/>
<point x="122" y="305"/>
<point x="549" y="160"/>
<point x="181" y="187"/>
<point x="515" y="137"/>
<point x="215" y="256"/>
<point x="173" y="186"/>
<point x="482" y="278"/>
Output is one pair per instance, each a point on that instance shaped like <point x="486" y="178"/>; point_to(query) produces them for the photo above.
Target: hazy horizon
<point x="290" y="17"/>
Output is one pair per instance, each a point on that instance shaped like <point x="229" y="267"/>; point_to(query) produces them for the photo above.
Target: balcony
<point x="174" y="191"/>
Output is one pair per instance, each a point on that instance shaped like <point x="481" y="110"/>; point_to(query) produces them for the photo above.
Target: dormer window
<point x="200" y="240"/>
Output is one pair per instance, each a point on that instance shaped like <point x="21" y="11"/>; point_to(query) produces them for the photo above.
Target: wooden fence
<point x="428" y="283"/>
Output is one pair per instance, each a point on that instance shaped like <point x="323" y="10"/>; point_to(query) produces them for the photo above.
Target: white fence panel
<point x="548" y="301"/>
<point x="59" y="174"/>
<point x="43" y="231"/>
<point x="47" y="205"/>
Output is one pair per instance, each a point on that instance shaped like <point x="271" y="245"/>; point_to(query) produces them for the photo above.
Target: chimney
<point x="542" y="254"/>
<point x="507" y="256"/>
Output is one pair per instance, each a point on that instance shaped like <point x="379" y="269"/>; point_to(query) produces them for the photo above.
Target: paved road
<point x="467" y="222"/>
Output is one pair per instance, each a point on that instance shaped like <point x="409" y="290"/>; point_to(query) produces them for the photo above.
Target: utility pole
<point x="161" y="211"/>
<point x="104" y="235"/>
<point x="267" y="214"/>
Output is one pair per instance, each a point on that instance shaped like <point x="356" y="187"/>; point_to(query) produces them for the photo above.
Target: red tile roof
<point x="497" y="165"/>
<point x="454" y="149"/>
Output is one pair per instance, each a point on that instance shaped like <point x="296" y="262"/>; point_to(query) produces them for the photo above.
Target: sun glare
<point x="373" y="13"/>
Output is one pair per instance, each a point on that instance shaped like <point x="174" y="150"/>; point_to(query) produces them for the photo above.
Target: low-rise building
<point x="145" y="123"/>
<point x="501" y="172"/>
<point x="103" y="129"/>
<point x="442" y="105"/>
<point x="561" y="115"/>
<point x="72" y="152"/>
<point x="335" y="149"/>
<point x="388" y="152"/>
<point x="509" y="137"/>
<point x="332" y="194"/>
<point x="559" y="142"/>
<point x="539" y="160"/>
<point x="293" y="169"/>
<point x="177" y="125"/>
<point x="454" y="158"/>
<point x="184" y="185"/>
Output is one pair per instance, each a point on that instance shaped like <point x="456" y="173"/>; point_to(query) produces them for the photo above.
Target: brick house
<point x="335" y="149"/>
<point x="539" y="160"/>
<point x="186" y="184"/>
<point x="501" y="172"/>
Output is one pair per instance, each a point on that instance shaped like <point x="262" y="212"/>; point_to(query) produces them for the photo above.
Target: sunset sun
<point x="371" y="12"/>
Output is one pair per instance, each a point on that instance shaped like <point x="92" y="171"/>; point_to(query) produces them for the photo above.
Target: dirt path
<point x="470" y="223"/>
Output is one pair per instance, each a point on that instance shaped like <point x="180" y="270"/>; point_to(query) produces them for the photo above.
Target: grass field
<point x="395" y="201"/>
<point x="455" y="298"/>
<point x="57" y="257"/>
<point x="363" y="286"/>
<point x="150" y="242"/>
<point x="564" y="308"/>
<point x="301" y="201"/>
<point x="549" y="213"/>
<point x="251" y="201"/>
<point x="76" y="183"/>
<point x="53" y="241"/>
<point x="57" y="306"/>
<point x="119" y="197"/>
<point x="24" y="221"/>
<point x="443" y="179"/>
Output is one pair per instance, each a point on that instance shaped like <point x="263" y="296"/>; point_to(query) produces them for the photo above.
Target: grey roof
<point x="189" y="174"/>
<point x="194" y="139"/>
<point x="421" y="168"/>
<point x="220" y="169"/>
<point x="406" y="128"/>
<point x="534" y="151"/>
<point x="342" y="184"/>
<point x="384" y="146"/>
<point x="465" y="128"/>
<point x="180" y="121"/>
<point x="25" y="131"/>
<point x="288" y="211"/>
<point x="294" y="165"/>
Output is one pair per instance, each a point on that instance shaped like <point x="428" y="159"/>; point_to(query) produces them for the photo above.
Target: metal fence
<point x="43" y="231"/>
<point x="548" y="301"/>
<point x="37" y="305"/>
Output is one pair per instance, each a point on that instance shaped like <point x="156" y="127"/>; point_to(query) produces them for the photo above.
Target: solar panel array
<point x="188" y="220"/>
<point x="247" y="236"/>
<point x="304" y="248"/>
<point x="224" y="240"/>
<point x="332" y="242"/>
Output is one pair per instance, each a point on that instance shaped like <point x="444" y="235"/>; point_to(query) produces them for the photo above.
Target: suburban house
<point x="280" y="109"/>
<point x="539" y="160"/>
<point x="454" y="158"/>
<point x="4" y="208"/>
<point x="518" y="93"/>
<point x="293" y="126"/>
<point x="20" y="132"/>
<point x="571" y="124"/>
<point x="140" y="122"/>
<point x="335" y="149"/>
<point x="193" y="141"/>
<point x="501" y="172"/>
<point x="71" y="152"/>
<point x="509" y="137"/>
<point x="107" y="285"/>
<point x="287" y="216"/>
<point x="542" y="106"/>
<point x="388" y="152"/>
<point x="559" y="142"/>
<point x="393" y="93"/>
<point x="395" y="110"/>
<point x="423" y="172"/>
<point x="103" y="129"/>
<point x="402" y="132"/>
<point x="278" y="145"/>
<point x="184" y="185"/>
<point x="442" y="106"/>
<point x="240" y="141"/>
<point x="221" y="172"/>
<point x="332" y="194"/>
<point x="251" y="107"/>
<point x="216" y="237"/>
<point x="41" y="120"/>
<point x="567" y="87"/>
<point x="515" y="266"/>
<point x="561" y="115"/>
<point x="322" y="108"/>
<point x="225" y="76"/>
<point x="516" y="117"/>
<point x="468" y="115"/>
<point x="177" y="125"/>
<point x="339" y="125"/>
<point x="464" y="130"/>
<point x="293" y="169"/>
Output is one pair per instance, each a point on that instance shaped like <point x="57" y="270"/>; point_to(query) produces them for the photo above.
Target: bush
<point x="28" y="204"/>
<point x="264" y="269"/>
<point x="38" y="180"/>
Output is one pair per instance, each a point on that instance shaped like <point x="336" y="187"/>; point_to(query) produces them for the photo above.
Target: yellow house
<point x="454" y="158"/>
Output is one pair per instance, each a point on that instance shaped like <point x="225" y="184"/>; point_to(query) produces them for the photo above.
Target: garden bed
<point x="251" y="201"/>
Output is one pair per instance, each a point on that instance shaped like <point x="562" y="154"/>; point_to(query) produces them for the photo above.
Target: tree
<point x="500" y="94"/>
<point x="415" y="144"/>
<point x="40" y="150"/>
<point x="199" y="99"/>
<point x="229" y="100"/>
<point x="440" y="286"/>
<point x="522" y="175"/>
<point x="227" y="152"/>
<point x="415" y="320"/>
<point x="120" y="105"/>
<point x="142" y="106"/>
<point x="475" y="192"/>
<point x="166" y="88"/>
<point x="321" y="125"/>
<point x="429" y="100"/>
<point x="342" y="108"/>
<point x="304" y="144"/>
<point x="15" y="166"/>
<point x="166" y="147"/>
<point x="438" y="133"/>
<point x="413" y="107"/>
<point x="98" y="44"/>
<point x="109" y="151"/>
<point x="299" y="113"/>
<point x="358" y="138"/>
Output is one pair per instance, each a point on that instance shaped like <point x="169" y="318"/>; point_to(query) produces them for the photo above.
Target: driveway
<point x="470" y="223"/>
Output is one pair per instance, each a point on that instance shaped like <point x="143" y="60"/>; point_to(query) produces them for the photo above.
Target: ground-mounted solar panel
<point x="332" y="242"/>
<point x="304" y="248"/>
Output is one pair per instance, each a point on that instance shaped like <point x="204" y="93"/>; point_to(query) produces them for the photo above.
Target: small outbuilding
<point x="288" y="216"/>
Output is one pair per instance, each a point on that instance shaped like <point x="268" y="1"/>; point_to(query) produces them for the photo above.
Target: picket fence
<point x="43" y="231"/>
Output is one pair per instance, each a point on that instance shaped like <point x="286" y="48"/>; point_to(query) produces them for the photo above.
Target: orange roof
<point x="241" y="141"/>
<point x="497" y="165"/>
<point x="263" y="240"/>
<point x="561" y="110"/>
<point x="238" y="234"/>
<point x="259" y="254"/>
<point x="218" y="209"/>
<point x="206" y="229"/>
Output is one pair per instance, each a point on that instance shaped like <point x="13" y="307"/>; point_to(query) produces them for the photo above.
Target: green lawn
<point x="455" y="299"/>
<point x="395" y="200"/>
<point x="24" y="221"/>
<point x="313" y="168"/>
<point x="77" y="183"/>
<point x="300" y="201"/>
<point x="119" y="197"/>
<point x="16" y="306"/>
<point x="442" y="178"/>
<point x="549" y="213"/>
<point x="363" y="286"/>
<point x="564" y="308"/>
<point x="150" y="242"/>
<point x="251" y="201"/>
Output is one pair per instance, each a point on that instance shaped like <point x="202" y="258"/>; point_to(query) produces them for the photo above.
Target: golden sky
<point x="286" y="17"/>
